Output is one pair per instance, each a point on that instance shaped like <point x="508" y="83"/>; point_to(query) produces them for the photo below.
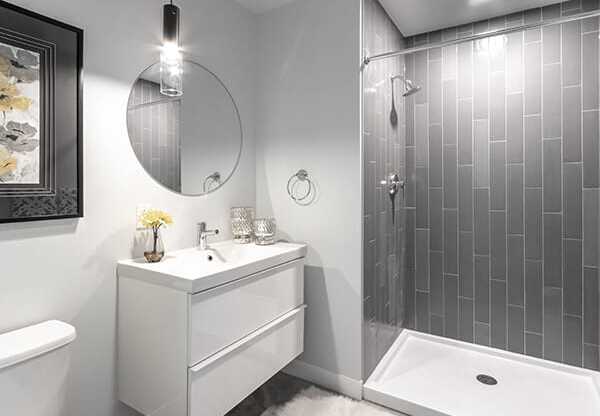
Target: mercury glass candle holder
<point x="264" y="231"/>
<point x="241" y="224"/>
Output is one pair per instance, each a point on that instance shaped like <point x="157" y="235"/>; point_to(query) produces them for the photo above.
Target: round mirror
<point x="191" y="143"/>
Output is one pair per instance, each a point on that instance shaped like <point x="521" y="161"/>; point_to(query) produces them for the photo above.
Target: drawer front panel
<point x="224" y="315"/>
<point x="221" y="382"/>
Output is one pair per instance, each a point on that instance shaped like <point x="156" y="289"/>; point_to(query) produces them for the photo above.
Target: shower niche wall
<point x="495" y="239"/>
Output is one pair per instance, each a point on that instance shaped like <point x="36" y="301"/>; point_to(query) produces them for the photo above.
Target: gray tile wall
<point x="384" y="225"/>
<point x="502" y="158"/>
<point x="153" y="122"/>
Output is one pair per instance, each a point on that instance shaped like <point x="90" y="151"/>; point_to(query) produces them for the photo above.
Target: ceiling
<point x="419" y="16"/>
<point x="262" y="6"/>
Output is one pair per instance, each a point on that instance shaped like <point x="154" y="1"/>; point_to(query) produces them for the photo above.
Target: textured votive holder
<point x="241" y="224"/>
<point x="264" y="231"/>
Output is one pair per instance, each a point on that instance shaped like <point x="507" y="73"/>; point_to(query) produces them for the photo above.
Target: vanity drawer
<point x="221" y="316"/>
<point x="219" y="383"/>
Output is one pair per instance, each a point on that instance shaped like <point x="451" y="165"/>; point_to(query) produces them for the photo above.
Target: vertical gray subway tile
<point x="411" y="221"/>
<point x="498" y="244"/>
<point x="482" y="334"/>
<point x="450" y="112"/>
<point x="572" y="124"/>
<point x="465" y="80"/>
<point x="409" y="109"/>
<point x="515" y="199"/>
<point x="421" y="133"/>
<point x="553" y="250"/>
<point x="552" y="176"/>
<point x="435" y="156"/>
<point x="497" y="175"/>
<point x="533" y="78"/>
<point x="534" y="299"/>
<point x="551" y="42"/>
<point x="497" y="106"/>
<point x="498" y="314"/>
<point x="451" y="242"/>
<point x="571" y="53"/>
<point x="591" y="150"/>
<point x="516" y="270"/>
<point x="591" y="307"/>
<point x="422" y="307"/>
<point x="465" y="132"/>
<point x="590" y="70"/>
<point x="552" y="101"/>
<point x="589" y="5"/>
<point x="420" y="76"/>
<point x="466" y="320"/>
<point x="411" y="175"/>
<point x="436" y="217"/>
<point x="572" y="202"/>
<point x="573" y="352"/>
<point x="450" y="177"/>
<point x="498" y="57"/>
<point x="480" y="83"/>
<point x="436" y="291"/>
<point x="465" y="198"/>
<point x="482" y="222"/>
<point x="572" y="277"/>
<point x="422" y="259"/>
<point x="534" y="345"/>
<point x="451" y="306"/>
<point x="465" y="265"/>
<point x="482" y="289"/>
<point x="514" y="68"/>
<point x="422" y="197"/>
<point x="533" y="151"/>
<point x="514" y="132"/>
<point x="481" y="159"/>
<point x="410" y="298"/>
<point x="591" y="357"/>
<point x="553" y="324"/>
<point x="449" y="60"/>
<point x="533" y="224"/>
<point x="591" y="226"/>
<point x="516" y="334"/>
<point x="435" y="92"/>
<point x="437" y="325"/>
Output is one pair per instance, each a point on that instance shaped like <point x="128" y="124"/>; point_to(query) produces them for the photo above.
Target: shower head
<point x="410" y="87"/>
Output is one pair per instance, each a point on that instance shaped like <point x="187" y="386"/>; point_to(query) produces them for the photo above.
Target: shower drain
<point x="487" y="380"/>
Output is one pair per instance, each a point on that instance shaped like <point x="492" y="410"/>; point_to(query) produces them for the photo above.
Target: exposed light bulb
<point x="171" y="59"/>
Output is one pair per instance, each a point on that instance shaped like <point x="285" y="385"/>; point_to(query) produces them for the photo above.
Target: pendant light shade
<point x="171" y="61"/>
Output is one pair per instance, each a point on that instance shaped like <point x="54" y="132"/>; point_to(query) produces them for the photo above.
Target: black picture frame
<point x="59" y="193"/>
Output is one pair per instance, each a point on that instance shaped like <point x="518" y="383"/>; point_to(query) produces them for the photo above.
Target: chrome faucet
<point x="203" y="235"/>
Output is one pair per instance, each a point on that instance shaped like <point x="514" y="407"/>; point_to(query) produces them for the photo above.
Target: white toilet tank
<point x="34" y="363"/>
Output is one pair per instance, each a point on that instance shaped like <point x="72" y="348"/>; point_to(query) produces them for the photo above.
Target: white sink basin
<point x="193" y="270"/>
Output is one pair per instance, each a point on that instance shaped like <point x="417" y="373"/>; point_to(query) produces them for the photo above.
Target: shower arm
<point x="497" y="32"/>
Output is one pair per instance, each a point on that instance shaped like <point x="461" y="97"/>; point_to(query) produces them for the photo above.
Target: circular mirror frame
<point x="190" y="60"/>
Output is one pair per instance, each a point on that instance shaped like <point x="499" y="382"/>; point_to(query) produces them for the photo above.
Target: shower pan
<point x="481" y="279"/>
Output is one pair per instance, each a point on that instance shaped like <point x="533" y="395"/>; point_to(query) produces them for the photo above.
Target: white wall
<point x="66" y="269"/>
<point x="308" y="117"/>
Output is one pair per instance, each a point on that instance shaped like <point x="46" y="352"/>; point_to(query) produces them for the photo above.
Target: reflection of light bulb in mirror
<point x="492" y="46"/>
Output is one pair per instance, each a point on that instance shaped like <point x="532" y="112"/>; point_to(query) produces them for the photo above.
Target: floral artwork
<point x="19" y="116"/>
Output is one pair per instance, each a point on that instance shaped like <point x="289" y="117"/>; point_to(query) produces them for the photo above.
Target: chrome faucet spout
<point x="203" y="234"/>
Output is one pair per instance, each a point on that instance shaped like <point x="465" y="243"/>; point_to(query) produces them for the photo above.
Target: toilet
<point x="34" y="363"/>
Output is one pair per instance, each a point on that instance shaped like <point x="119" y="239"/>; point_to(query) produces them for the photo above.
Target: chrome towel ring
<point x="295" y="179"/>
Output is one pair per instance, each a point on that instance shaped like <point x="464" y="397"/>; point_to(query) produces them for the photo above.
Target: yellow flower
<point x="154" y="218"/>
<point x="10" y="98"/>
<point x="8" y="164"/>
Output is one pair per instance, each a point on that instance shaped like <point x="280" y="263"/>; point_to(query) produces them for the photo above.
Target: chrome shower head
<point x="410" y="87"/>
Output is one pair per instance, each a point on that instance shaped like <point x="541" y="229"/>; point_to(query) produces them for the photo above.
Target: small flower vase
<point x="155" y="250"/>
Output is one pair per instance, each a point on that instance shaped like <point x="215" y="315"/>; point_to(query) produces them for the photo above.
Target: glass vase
<point x="155" y="250"/>
<point x="241" y="224"/>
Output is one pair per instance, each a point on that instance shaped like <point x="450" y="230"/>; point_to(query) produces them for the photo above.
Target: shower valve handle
<point x="394" y="184"/>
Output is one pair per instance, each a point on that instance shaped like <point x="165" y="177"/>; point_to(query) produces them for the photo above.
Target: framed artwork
<point x="41" y="109"/>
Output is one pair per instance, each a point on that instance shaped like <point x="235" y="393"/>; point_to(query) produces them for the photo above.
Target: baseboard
<point x="321" y="377"/>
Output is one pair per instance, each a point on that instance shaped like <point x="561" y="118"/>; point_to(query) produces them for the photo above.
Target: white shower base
<point x="425" y="375"/>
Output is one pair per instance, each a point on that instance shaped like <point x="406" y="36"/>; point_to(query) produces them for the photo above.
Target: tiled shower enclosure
<point x="498" y="240"/>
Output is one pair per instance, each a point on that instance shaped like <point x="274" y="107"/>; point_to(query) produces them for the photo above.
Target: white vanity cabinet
<point x="199" y="353"/>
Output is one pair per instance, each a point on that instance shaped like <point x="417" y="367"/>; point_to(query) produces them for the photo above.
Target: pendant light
<point x="171" y="61"/>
